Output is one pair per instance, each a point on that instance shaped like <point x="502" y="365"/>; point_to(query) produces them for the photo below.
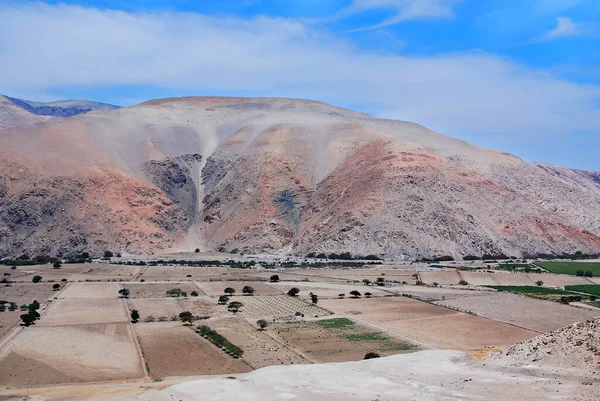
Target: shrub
<point x="197" y="250"/>
<point x="56" y="265"/>
<point x="435" y="284"/>
<point x="368" y="294"/>
<point x="108" y="254"/>
<point x="194" y="293"/>
<point x="293" y="292"/>
<point x="314" y="298"/>
<point x="56" y="287"/>
<point x="262" y="324"/>
<point x="124" y="292"/>
<point x="341" y="296"/>
<point x="174" y="292"/>
<point x="36" y="279"/>
<point x="463" y="282"/>
<point x="367" y="281"/>
<point x="539" y="283"/>
<point x="135" y="316"/>
<point x="274" y="278"/>
<point x="186" y="317"/>
<point x="372" y="355"/>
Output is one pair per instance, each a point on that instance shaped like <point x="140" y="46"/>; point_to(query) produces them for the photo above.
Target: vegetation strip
<point x="220" y="341"/>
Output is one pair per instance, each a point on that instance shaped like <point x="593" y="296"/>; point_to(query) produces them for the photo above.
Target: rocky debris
<point x="573" y="347"/>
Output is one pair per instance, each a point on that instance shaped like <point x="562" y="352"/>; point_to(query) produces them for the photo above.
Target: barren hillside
<point x="278" y="175"/>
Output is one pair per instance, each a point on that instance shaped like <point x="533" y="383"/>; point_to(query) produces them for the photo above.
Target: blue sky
<point x="516" y="75"/>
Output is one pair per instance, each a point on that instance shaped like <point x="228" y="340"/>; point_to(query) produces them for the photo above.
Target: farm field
<point x="171" y="349"/>
<point x="430" y="325"/>
<point x="8" y="320"/>
<point x="90" y="291"/>
<point x="156" y="307"/>
<point x="479" y="278"/>
<point x="181" y="273"/>
<point x="441" y="277"/>
<point x="588" y="289"/>
<point x="26" y="293"/>
<point x="40" y="356"/>
<point x="514" y="278"/>
<point x="202" y="306"/>
<point x="215" y="288"/>
<point x="272" y="306"/>
<point x="84" y="311"/>
<point x="357" y="275"/>
<point x="260" y="349"/>
<point x="530" y="289"/>
<point x="106" y="269"/>
<point x="338" y="339"/>
<point x="327" y="290"/>
<point x="533" y="314"/>
<point x="158" y="290"/>
<point x="571" y="267"/>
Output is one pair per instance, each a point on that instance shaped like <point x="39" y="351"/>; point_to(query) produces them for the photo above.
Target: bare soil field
<point x="215" y="288"/>
<point x="158" y="290"/>
<point x="533" y="314"/>
<point x="84" y="311"/>
<point x="157" y="307"/>
<point x="273" y="306"/>
<point x="338" y="340"/>
<point x="441" y="277"/>
<point x="171" y="349"/>
<point x="559" y="280"/>
<point x="66" y="354"/>
<point x="90" y="291"/>
<point x="356" y="275"/>
<point x="101" y="269"/>
<point x="203" y="306"/>
<point x="327" y="290"/>
<point x="259" y="348"/>
<point x="181" y="273"/>
<point x="434" y="293"/>
<point x="478" y="278"/>
<point x="431" y="325"/>
<point x="513" y="278"/>
<point x="8" y="320"/>
<point x="26" y="293"/>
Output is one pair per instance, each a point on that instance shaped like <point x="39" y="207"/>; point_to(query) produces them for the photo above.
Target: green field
<point x="529" y="289"/>
<point x="588" y="289"/>
<point x="571" y="267"/>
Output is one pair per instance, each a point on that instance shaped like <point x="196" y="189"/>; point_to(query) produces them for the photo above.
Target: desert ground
<point x="86" y="344"/>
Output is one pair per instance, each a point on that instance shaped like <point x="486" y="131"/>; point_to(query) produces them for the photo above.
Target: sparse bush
<point x="341" y="296"/>
<point x="174" y="292"/>
<point x="135" y="316"/>
<point x="293" y="292"/>
<point x="262" y="324"/>
<point x="36" y="279"/>
<point x="372" y="355"/>
<point x="463" y="282"/>
<point x="150" y="319"/>
<point x="366" y="281"/>
<point x="163" y="319"/>
<point x="174" y="318"/>
<point x="539" y="283"/>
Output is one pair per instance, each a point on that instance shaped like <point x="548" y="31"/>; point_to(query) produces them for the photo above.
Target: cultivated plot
<point x="327" y="290"/>
<point x="478" y="278"/>
<point x="534" y="314"/>
<point x="90" y="291"/>
<point x="26" y="293"/>
<point x="259" y="348"/>
<point x="203" y="306"/>
<point x="513" y="278"/>
<point x="441" y="277"/>
<point x="8" y="320"/>
<point x="429" y="324"/>
<point x="338" y="340"/>
<point x="159" y="290"/>
<point x="274" y="306"/>
<point x="171" y="349"/>
<point x="182" y="273"/>
<point x="571" y="267"/>
<point x="41" y="356"/>
<point x="84" y="311"/>
<point x="215" y="288"/>
<point x="157" y="307"/>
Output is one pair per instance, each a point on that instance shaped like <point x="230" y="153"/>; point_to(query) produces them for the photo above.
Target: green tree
<point x="23" y="308"/>
<point x="367" y="281"/>
<point x="135" y="316"/>
<point x="36" y="279"/>
<point x="223" y="299"/>
<point x="588" y="274"/>
<point x="2" y="307"/>
<point x="108" y="254"/>
<point x="124" y="293"/>
<point x="262" y="324"/>
<point x="248" y="290"/>
<point x="56" y="287"/>
<point x="314" y="298"/>
<point x="194" y="293"/>
<point x="355" y="294"/>
<point x="235" y="306"/>
<point x="229" y="291"/>
<point x="35" y="305"/>
<point x="186" y="317"/>
<point x="293" y="292"/>
<point x="56" y="265"/>
<point x="368" y="294"/>
<point x="12" y="307"/>
<point x="274" y="278"/>
<point x="27" y="319"/>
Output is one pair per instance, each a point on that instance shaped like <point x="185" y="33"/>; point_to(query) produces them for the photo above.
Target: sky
<point x="517" y="75"/>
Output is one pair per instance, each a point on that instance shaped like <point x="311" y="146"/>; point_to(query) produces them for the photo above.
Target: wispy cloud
<point x="402" y="10"/>
<point x="43" y="47"/>
<point x="564" y="27"/>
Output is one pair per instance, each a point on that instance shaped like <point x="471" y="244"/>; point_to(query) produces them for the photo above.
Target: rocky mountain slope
<point x="279" y="175"/>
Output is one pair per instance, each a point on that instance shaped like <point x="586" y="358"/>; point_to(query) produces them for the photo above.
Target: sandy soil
<point x="260" y="349"/>
<point x="337" y="344"/>
<point x="82" y="311"/>
<point x="533" y="314"/>
<point x="277" y="306"/>
<point x="158" y="290"/>
<point x="48" y="355"/>
<point x="171" y="349"/>
<point x="428" y="324"/>
<point x="91" y="291"/>
<point x="216" y="288"/>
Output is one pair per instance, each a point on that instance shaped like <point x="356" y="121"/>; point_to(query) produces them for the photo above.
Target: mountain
<point x="279" y="175"/>
<point x="18" y="112"/>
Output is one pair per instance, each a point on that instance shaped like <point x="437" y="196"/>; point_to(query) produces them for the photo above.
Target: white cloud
<point x="564" y="27"/>
<point x="44" y="47"/>
<point x="403" y="10"/>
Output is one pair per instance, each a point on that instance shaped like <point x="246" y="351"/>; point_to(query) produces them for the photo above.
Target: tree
<point x="355" y="294"/>
<point x="56" y="287"/>
<point x="194" y="293"/>
<point x="235" y="306"/>
<point x="197" y="250"/>
<point x="368" y="294"/>
<point x="380" y="281"/>
<point x="186" y="317"/>
<point x="341" y="295"/>
<point x="2" y="307"/>
<point x="314" y="298"/>
<point x="223" y="299"/>
<point x="36" y="279"/>
<point x="293" y="292"/>
<point x="274" y="278"/>
<point x="124" y="293"/>
<point x="56" y="265"/>
<point x="367" y="281"/>
<point x="229" y="290"/>
<point x="23" y="308"/>
<point x="35" y="305"/>
<point x="13" y="267"/>
<point x="108" y="254"/>
<point x="463" y="282"/>
<point x="435" y="284"/>
<point x="539" y="283"/>
<point x="174" y="292"/>
<point x="579" y="273"/>
<point x="248" y="290"/>
<point x="588" y="274"/>
<point x="372" y="355"/>
<point x="12" y="307"/>
<point x="27" y="319"/>
<point x="262" y="324"/>
<point x="135" y="316"/>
